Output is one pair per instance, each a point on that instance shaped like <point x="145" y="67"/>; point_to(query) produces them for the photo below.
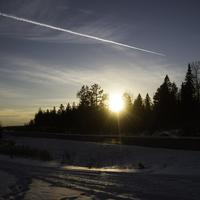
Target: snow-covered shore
<point x="88" y="154"/>
<point x="85" y="170"/>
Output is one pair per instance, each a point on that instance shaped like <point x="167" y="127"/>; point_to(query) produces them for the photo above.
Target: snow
<point x="116" y="157"/>
<point x="7" y="180"/>
<point x="39" y="188"/>
<point x="86" y="170"/>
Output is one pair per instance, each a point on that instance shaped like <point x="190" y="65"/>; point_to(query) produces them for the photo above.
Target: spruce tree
<point x="147" y="103"/>
<point x="165" y="101"/>
<point x="138" y="114"/>
<point x="148" y="117"/>
<point x="188" y="96"/>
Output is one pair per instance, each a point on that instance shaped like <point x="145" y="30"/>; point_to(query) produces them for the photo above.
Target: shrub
<point x="9" y="148"/>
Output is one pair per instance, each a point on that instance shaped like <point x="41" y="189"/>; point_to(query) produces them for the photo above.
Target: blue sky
<point x="40" y="67"/>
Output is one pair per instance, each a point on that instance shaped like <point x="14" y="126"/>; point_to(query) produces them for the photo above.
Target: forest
<point x="171" y="108"/>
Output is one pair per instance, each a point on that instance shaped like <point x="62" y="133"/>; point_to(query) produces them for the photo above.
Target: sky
<point x="42" y="67"/>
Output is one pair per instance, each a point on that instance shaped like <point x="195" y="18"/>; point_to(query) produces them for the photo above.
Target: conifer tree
<point x="195" y="67"/>
<point x="127" y="101"/>
<point x="138" y="113"/>
<point x="165" y="101"/>
<point x="188" y="96"/>
<point x="148" y="117"/>
<point x="147" y="103"/>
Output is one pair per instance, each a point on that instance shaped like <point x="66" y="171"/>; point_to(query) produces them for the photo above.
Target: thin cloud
<point x="79" y="34"/>
<point x="10" y="117"/>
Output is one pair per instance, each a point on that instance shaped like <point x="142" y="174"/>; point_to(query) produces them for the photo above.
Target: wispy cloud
<point x="6" y="92"/>
<point x="48" y="10"/>
<point x="30" y="70"/>
<point x="58" y="12"/>
<point x="79" y="34"/>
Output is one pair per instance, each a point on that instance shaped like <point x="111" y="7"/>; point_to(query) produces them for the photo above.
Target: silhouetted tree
<point x="195" y="67"/>
<point x="127" y="101"/>
<point x="188" y="96"/>
<point x="84" y="96"/>
<point x="92" y="105"/>
<point x="68" y="107"/>
<point x="1" y="129"/>
<point x="126" y="115"/>
<point x="138" y="113"/>
<point x="39" y="118"/>
<point x="147" y="104"/>
<point x="170" y="109"/>
<point x="96" y="95"/>
<point x="138" y="106"/>
<point x="165" y="104"/>
<point x="148" y="114"/>
<point x="61" y="109"/>
<point x="91" y="96"/>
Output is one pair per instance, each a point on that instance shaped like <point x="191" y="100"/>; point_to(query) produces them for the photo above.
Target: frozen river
<point x="42" y="182"/>
<point x="167" y="174"/>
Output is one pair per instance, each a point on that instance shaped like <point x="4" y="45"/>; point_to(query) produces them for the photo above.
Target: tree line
<point x="170" y="108"/>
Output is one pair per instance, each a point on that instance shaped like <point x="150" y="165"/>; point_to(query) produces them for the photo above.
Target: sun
<point x="115" y="103"/>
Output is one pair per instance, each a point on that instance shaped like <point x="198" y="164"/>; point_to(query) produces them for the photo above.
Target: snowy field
<point x="84" y="170"/>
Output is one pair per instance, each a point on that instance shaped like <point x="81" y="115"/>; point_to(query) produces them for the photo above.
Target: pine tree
<point x="84" y="96"/>
<point x="96" y="94"/>
<point x="90" y="96"/>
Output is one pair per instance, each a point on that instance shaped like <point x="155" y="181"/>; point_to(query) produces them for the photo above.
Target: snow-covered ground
<point x="6" y="180"/>
<point x="88" y="154"/>
<point x="85" y="170"/>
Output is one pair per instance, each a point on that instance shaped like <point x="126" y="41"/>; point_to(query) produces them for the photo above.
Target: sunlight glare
<point x="116" y="103"/>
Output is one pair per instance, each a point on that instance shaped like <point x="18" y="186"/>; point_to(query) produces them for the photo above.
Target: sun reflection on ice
<point x="101" y="169"/>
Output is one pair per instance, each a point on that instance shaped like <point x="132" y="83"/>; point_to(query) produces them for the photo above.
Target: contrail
<point x="78" y="34"/>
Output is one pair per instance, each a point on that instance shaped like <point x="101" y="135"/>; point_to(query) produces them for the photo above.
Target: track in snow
<point x="37" y="182"/>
